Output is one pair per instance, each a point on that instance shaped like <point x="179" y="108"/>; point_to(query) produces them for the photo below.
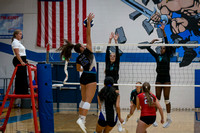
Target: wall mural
<point x="182" y="20"/>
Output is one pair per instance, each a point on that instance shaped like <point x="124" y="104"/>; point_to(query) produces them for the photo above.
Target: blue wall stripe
<point x="6" y="48"/>
<point x="100" y="57"/>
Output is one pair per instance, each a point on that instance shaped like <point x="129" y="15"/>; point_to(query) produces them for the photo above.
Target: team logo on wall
<point x="181" y="20"/>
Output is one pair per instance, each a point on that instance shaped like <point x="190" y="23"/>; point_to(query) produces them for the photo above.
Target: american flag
<point x="61" y="19"/>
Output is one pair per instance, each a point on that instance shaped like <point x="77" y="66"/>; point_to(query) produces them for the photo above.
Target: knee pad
<point x="167" y="101"/>
<point x="81" y="104"/>
<point x="86" y="105"/>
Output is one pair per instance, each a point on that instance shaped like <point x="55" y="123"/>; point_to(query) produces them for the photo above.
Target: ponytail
<point x="146" y="89"/>
<point x="108" y="94"/>
<point x="12" y="39"/>
<point x="66" y="50"/>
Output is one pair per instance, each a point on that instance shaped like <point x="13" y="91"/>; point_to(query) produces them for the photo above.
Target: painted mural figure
<point x="183" y="24"/>
<point x="183" y="15"/>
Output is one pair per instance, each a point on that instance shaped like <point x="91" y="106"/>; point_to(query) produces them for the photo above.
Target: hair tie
<point x="146" y="87"/>
<point x="109" y="85"/>
<point x="63" y="57"/>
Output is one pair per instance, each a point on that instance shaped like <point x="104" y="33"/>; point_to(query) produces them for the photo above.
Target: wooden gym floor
<point x="65" y="122"/>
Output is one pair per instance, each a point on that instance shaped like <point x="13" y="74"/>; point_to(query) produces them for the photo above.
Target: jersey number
<point x="145" y="100"/>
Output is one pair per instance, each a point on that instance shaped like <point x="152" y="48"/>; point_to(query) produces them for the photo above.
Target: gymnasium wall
<point x="109" y="15"/>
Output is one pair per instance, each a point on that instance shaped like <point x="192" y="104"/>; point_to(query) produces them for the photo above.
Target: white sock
<point x="168" y="116"/>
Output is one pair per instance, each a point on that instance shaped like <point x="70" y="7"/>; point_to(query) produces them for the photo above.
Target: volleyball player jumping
<point x="113" y="61"/>
<point x="86" y="59"/>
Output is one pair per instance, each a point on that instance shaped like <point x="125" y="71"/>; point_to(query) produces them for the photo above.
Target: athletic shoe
<point x="155" y="124"/>
<point x="167" y="124"/>
<point x="119" y="125"/>
<point x="125" y="121"/>
<point x="81" y="125"/>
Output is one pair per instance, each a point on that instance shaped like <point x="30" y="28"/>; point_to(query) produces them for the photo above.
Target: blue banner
<point x="9" y="23"/>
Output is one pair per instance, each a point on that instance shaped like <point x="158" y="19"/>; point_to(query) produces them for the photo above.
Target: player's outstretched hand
<point x="154" y="40"/>
<point x="90" y="17"/>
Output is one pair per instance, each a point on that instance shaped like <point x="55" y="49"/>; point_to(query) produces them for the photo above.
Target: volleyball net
<point x="137" y="64"/>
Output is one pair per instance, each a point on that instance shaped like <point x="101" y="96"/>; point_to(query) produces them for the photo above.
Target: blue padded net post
<point x="45" y="98"/>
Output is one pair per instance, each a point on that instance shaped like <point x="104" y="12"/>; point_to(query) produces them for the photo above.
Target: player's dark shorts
<point x="104" y="123"/>
<point x="163" y="78"/>
<point x="148" y="119"/>
<point x="87" y="78"/>
<point x="134" y="101"/>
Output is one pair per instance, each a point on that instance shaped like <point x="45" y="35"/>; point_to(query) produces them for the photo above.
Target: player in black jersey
<point x="133" y="96"/>
<point x="112" y="66"/>
<point x="85" y="63"/>
<point x="112" y="61"/>
<point x="163" y="73"/>
<point x="109" y="104"/>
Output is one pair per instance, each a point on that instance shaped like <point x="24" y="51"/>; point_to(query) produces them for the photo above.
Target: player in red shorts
<point x="148" y="103"/>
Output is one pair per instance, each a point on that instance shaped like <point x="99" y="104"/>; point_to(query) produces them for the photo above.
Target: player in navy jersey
<point x="148" y="103"/>
<point x="133" y="96"/>
<point x="109" y="104"/>
<point x="85" y="63"/>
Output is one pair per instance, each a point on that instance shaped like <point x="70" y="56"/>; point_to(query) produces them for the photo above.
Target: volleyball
<point x="85" y="23"/>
